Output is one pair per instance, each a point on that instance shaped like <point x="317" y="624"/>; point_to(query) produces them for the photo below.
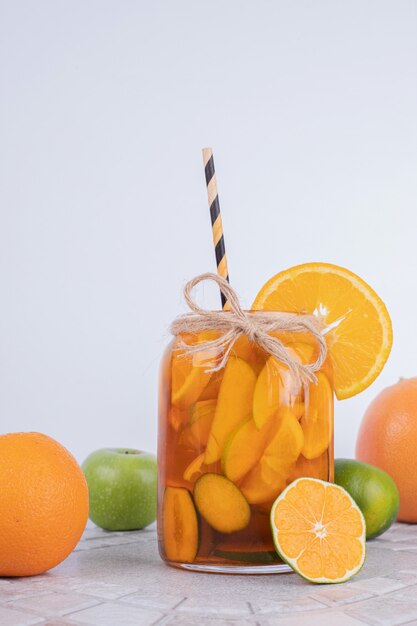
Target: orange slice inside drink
<point x="316" y="420"/>
<point x="191" y="373"/>
<point x="269" y="476"/>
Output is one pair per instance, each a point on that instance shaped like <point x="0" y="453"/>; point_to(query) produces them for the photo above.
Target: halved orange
<point x="319" y="530"/>
<point x="356" y="322"/>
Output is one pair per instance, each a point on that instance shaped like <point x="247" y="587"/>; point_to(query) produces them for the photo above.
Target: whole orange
<point x="43" y="503"/>
<point x="388" y="439"/>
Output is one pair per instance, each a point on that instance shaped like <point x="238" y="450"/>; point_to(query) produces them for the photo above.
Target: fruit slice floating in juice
<point x="221" y="503"/>
<point x="196" y="432"/>
<point x="245" y="447"/>
<point x="191" y="374"/>
<point x="180" y="525"/>
<point x="234" y="405"/>
<point x="271" y="473"/>
<point x="317" y="428"/>
<point x="266" y="397"/>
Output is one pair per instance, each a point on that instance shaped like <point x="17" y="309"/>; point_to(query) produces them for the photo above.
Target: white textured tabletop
<point x="117" y="579"/>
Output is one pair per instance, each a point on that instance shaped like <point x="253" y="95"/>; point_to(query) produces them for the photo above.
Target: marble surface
<point x="117" y="579"/>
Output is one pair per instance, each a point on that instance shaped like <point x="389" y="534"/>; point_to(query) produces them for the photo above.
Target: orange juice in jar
<point x="231" y="438"/>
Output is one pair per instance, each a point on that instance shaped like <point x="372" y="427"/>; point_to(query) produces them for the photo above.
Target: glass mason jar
<point x="229" y="442"/>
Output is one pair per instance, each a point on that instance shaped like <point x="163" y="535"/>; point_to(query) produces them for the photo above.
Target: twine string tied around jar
<point x="256" y="325"/>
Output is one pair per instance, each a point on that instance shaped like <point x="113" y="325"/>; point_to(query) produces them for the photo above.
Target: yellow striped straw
<point x="216" y="218"/>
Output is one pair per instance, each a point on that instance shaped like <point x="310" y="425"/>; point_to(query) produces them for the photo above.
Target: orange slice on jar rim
<point x="357" y="325"/>
<point x="319" y="530"/>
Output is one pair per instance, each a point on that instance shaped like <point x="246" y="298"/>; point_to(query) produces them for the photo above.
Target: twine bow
<point x="256" y="325"/>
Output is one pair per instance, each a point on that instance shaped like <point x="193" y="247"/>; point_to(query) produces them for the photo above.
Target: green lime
<point x="373" y="490"/>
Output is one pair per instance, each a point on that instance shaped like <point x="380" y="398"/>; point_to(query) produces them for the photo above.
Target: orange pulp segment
<point x="356" y="322"/>
<point x="319" y="530"/>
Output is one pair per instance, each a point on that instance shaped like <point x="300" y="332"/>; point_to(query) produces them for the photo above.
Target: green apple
<point x="122" y="487"/>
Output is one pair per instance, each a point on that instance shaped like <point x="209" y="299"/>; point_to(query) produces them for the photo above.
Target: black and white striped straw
<point x="216" y="218"/>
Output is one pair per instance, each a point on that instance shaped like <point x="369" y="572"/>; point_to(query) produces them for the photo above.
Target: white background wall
<point x="311" y="107"/>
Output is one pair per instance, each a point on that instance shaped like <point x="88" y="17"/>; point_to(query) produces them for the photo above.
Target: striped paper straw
<point x="216" y="218"/>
